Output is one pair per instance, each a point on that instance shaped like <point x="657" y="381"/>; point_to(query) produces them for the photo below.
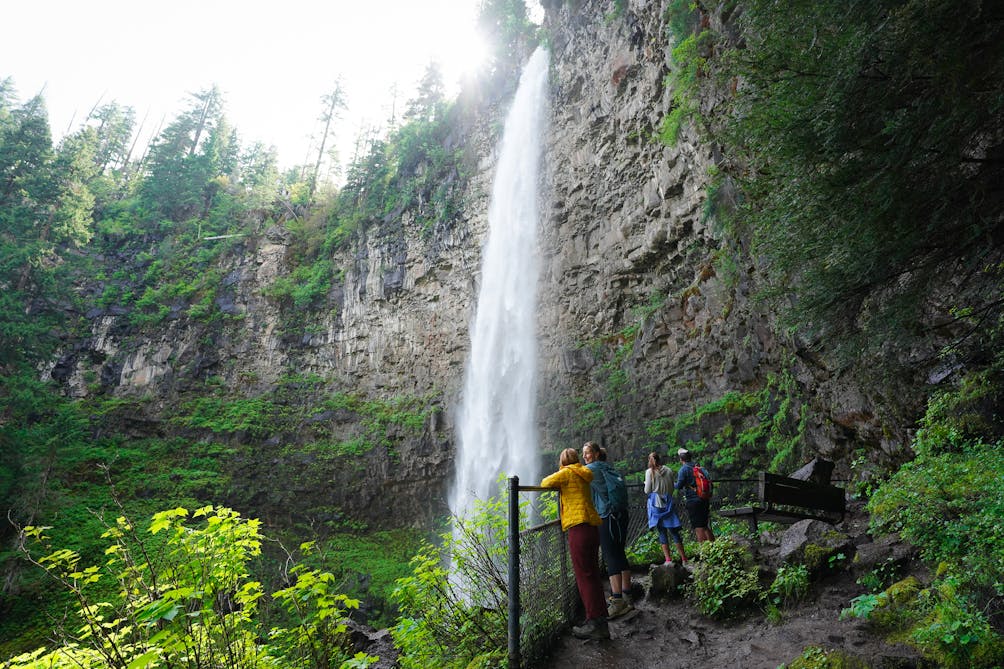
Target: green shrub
<point x="254" y="415"/>
<point x="457" y="617"/>
<point x="879" y="577"/>
<point x="862" y="606"/>
<point x="442" y="623"/>
<point x="790" y="585"/>
<point x="953" y="631"/>
<point x="380" y="416"/>
<point x="727" y="527"/>
<point x="948" y="502"/>
<point x="688" y="65"/>
<point x="815" y="657"/>
<point x="759" y="429"/>
<point x="305" y="287"/>
<point x="383" y="557"/>
<point x="726" y="580"/>
<point x="945" y="625"/>
<point x="180" y="594"/>
<point x="949" y="505"/>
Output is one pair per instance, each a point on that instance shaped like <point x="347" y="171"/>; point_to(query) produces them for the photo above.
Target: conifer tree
<point x="44" y="205"/>
<point x="507" y="25"/>
<point x="182" y="160"/>
<point x="430" y="96"/>
<point x="334" y="103"/>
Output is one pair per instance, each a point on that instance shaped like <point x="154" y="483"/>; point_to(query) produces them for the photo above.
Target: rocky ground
<point x="667" y="631"/>
<point x="663" y="633"/>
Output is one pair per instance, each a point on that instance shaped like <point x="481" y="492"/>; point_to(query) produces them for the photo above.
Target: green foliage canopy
<point x="868" y="138"/>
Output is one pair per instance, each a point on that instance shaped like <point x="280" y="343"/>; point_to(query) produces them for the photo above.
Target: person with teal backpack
<point x="610" y="499"/>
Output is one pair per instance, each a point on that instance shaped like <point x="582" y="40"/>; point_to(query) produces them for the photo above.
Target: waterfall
<point x="496" y="423"/>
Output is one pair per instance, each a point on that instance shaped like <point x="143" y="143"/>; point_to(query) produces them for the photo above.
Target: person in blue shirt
<point x="610" y="499"/>
<point x="697" y="509"/>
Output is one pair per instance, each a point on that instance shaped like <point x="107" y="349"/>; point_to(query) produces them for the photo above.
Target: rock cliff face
<point x="628" y="243"/>
<point x="647" y="310"/>
<point x="638" y="321"/>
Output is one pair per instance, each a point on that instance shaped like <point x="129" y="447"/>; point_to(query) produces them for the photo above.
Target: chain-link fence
<point x="548" y="599"/>
<point x="540" y="568"/>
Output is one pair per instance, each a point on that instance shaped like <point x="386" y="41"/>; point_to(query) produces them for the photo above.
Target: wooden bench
<point x="781" y="499"/>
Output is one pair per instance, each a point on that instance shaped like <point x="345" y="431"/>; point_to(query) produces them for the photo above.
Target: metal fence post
<point x="514" y="604"/>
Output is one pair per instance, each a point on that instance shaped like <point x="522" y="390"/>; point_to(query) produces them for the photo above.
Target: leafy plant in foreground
<point x="454" y="608"/>
<point x="443" y="621"/>
<point x="180" y="595"/>
<point x="790" y="584"/>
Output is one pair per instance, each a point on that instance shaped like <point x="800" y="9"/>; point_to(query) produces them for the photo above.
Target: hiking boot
<point x="618" y="606"/>
<point x="596" y="628"/>
<point x="625" y="595"/>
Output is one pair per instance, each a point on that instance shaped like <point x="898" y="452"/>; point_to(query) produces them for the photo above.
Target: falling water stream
<point x="496" y="424"/>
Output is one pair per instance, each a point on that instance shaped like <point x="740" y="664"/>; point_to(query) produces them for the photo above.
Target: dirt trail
<point x="671" y="633"/>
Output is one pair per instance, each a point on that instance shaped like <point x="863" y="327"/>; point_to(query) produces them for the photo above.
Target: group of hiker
<point x="594" y="514"/>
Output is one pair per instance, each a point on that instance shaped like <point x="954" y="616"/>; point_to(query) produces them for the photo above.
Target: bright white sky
<point x="273" y="60"/>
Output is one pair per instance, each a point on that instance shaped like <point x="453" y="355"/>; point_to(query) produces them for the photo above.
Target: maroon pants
<point x="584" y="546"/>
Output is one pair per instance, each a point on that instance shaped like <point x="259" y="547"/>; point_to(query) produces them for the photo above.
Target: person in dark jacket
<point x="610" y="499"/>
<point x="698" y="509"/>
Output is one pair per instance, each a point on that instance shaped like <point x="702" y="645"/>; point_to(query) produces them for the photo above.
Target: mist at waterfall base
<point x="497" y="419"/>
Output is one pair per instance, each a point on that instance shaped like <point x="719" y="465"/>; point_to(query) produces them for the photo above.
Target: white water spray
<point x="497" y="420"/>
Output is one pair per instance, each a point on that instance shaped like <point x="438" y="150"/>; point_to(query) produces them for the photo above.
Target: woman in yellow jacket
<point x="580" y="520"/>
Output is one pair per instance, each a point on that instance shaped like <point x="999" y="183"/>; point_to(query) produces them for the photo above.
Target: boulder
<point x="889" y="553"/>
<point x="817" y="470"/>
<point x="379" y="643"/>
<point x="817" y="545"/>
<point x="665" y="580"/>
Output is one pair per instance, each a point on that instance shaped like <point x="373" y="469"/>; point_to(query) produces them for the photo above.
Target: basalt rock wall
<point x="647" y="311"/>
<point x="637" y="320"/>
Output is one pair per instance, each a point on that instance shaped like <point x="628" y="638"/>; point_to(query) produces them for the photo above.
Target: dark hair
<point x="602" y="454"/>
<point x="686" y="457"/>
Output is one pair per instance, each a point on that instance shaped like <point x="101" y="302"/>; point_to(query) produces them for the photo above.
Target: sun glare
<point x="463" y="50"/>
<point x="464" y="55"/>
<point x="271" y="95"/>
